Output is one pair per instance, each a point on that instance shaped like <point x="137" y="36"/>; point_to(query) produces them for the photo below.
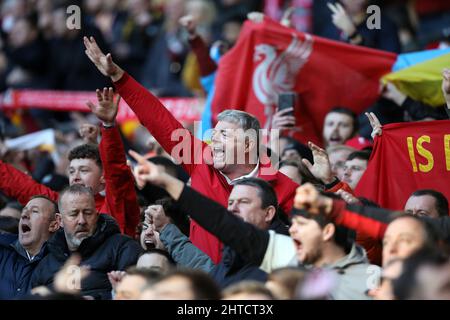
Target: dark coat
<point x="233" y="269"/>
<point x="105" y="251"/>
<point x="15" y="267"/>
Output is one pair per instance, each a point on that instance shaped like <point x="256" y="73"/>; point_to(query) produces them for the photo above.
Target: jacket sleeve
<point x="16" y="184"/>
<point x="374" y="221"/>
<point x="121" y="195"/>
<point x="183" y="251"/>
<point x="247" y="240"/>
<point x="280" y="253"/>
<point x="127" y="255"/>
<point x="206" y="64"/>
<point x="368" y="221"/>
<point x="173" y="137"/>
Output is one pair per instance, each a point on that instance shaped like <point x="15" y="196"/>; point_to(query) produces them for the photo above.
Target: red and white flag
<point x="269" y="59"/>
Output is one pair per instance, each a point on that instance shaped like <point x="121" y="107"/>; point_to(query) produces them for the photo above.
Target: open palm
<point x="107" y="108"/>
<point x="321" y="169"/>
<point x="104" y="63"/>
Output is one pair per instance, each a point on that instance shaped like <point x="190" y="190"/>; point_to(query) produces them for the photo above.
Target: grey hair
<point x="75" y="189"/>
<point x="245" y="120"/>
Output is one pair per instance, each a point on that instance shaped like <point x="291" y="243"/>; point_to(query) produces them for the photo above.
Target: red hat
<point x="359" y="143"/>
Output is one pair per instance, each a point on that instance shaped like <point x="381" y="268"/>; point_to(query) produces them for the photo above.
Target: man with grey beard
<point x="95" y="237"/>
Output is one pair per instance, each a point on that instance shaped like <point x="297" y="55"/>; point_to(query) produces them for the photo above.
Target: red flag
<point x="269" y="59"/>
<point x="407" y="157"/>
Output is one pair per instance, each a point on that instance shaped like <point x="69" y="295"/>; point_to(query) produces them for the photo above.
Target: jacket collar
<point x="357" y="255"/>
<point x="106" y="227"/>
<point x="252" y="174"/>
<point x="23" y="253"/>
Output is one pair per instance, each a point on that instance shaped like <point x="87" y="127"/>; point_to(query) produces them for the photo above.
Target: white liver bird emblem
<point x="276" y="74"/>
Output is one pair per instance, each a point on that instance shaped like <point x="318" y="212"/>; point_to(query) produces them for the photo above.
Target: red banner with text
<point x="407" y="157"/>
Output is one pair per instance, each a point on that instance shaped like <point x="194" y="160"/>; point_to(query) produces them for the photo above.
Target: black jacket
<point x="236" y="264"/>
<point x="105" y="251"/>
<point x="233" y="268"/>
<point x="15" y="267"/>
<point x="246" y="240"/>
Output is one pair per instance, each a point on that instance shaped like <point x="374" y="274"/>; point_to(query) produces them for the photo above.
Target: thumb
<point x="118" y="101"/>
<point x="91" y="106"/>
<point x="109" y="59"/>
<point x="307" y="164"/>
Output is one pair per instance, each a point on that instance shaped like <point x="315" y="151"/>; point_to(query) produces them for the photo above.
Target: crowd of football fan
<point x="110" y="212"/>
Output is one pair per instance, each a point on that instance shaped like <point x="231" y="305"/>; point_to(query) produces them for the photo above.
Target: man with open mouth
<point x="102" y="168"/>
<point x="18" y="258"/>
<point x="234" y="155"/>
<point x="340" y="125"/>
<point x="95" y="237"/>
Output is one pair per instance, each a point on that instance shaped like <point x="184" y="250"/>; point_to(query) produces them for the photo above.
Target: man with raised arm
<point x="211" y="178"/>
<point x="101" y="168"/>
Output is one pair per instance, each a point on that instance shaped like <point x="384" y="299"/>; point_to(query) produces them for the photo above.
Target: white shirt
<point x="252" y="174"/>
<point x="29" y="256"/>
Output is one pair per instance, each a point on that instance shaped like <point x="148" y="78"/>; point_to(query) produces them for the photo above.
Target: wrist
<point x="117" y="74"/>
<point x="328" y="180"/>
<point x="108" y="124"/>
<point x="165" y="180"/>
<point x="333" y="183"/>
<point x="351" y="32"/>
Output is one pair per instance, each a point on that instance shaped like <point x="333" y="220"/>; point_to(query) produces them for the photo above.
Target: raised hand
<point x="115" y="277"/>
<point x="322" y="167"/>
<point x="283" y="120"/>
<point x="286" y="19"/>
<point x="145" y="171"/>
<point x="375" y="124"/>
<point x="89" y="133"/>
<point x="106" y="110"/>
<point x="189" y="24"/>
<point x="307" y="197"/>
<point x="341" y="19"/>
<point x="104" y="63"/>
<point x="446" y="85"/>
<point x="392" y="93"/>
<point x="157" y="217"/>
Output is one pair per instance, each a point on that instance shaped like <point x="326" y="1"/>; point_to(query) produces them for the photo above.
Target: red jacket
<point x="120" y="200"/>
<point x="204" y="178"/>
<point x="372" y="246"/>
<point x="369" y="221"/>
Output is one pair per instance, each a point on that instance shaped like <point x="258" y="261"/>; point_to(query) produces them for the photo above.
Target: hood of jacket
<point x="106" y="227"/>
<point x="357" y="255"/>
